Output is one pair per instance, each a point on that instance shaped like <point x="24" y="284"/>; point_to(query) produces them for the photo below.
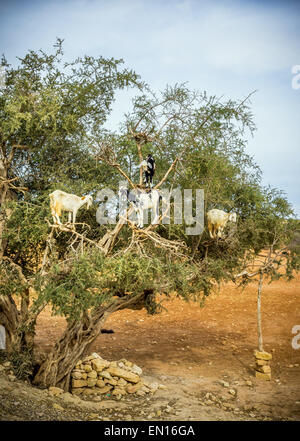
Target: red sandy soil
<point x="191" y="349"/>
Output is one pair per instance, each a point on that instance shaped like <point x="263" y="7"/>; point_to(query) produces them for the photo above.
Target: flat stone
<point x="91" y="382"/>
<point x="263" y="355"/>
<point x="141" y="393"/>
<point x="77" y="391"/>
<point x="100" y="383"/>
<point x="111" y="381"/>
<point x="93" y="356"/>
<point x="136" y="370"/>
<point x="264" y="369"/>
<point x="262" y="362"/>
<point x="78" y="383"/>
<point x="99" y="364"/>
<point x="119" y="391"/>
<point x="76" y="375"/>
<point x="132" y="389"/>
<point x="104" y="374"/>
<point x="153" y="387"/>
<point x="263" y="376"/>
<point x="103" y="390"/>
<point x="121" y="382"/>
<point x="89" y="391"/>
<point x="122" y="373"/>
<point x="88" y="368"/>
<point x="92" y="374"/>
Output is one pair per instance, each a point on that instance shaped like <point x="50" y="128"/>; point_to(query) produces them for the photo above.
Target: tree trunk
<point x="6" y="194"/>
<point x="75" y="341"/>
<point x="259" y="331"/>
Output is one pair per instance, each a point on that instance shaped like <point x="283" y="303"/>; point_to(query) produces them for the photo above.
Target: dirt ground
<point x="203" y="355"/>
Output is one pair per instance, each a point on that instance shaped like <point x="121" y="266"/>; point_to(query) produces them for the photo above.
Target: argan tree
<point x="52" y="116"/>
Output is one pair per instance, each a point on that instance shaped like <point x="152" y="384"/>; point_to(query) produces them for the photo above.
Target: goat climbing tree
<point x="52" y="136"/>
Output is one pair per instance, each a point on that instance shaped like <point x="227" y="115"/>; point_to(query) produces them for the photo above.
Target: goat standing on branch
<point x="217" y="221"/>
<point x="61" y="201"/>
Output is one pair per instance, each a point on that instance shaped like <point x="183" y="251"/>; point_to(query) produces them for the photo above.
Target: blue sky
<point x="228" y="48"/>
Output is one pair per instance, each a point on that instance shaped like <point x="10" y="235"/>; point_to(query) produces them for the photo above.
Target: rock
<point x="104" y="374"/>
<point x="132" y="389"/>
<point x="11" y="377"/>
<point x="77" y="391"/>
<point x="91" y="382"/>
<point x="111" y="381"/>
<point x="158" y="413"/>
<point x="119" y="391"/>
<point x="262" y="362"/>
<point x="100" y="383"/>
<point x="103" y="390"/>
<point x="88" y="368"/>
<point x="57" y="407"/>
<point x="113" y="364"/>
<point x="84" y="375"/>
<point x="262" y="376"/>
<point x="76" y="375"/>
<point x="224" y="383"/>
<point x="128" y="363"/>
<point x="141" y="393"/>
<point x="92" y="374"/>
<point x="89" y="391"/>
<point x="153" y="387"/>
<point x="78" y="383"/>
<point x="232" y="392"/>
<point x="249" y="383"/>
<point x="54" y="391"/>
<point x="2" y="368"/>
<point x="264" y="369"/>
<point x="99" y="364"/>
<point x="122" y="382"/>
<point x="263" y="355"/>
<point x="136" y="370"/>
<point x="162" y="387"/>
<point x="6" y="364"/>
<point x="93" y="356"/>
<point x="122" y="373"/>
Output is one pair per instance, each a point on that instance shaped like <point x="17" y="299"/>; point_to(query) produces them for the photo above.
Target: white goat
<point x="144" y="165"/>
<point x="142" y="201"/>
<point x="61" y="201"/>
<point x="217" y="220"/>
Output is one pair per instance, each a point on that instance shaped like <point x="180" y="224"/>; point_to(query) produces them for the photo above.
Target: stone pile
<point x="262" y="365"/>
<point x="95" y="376"/>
